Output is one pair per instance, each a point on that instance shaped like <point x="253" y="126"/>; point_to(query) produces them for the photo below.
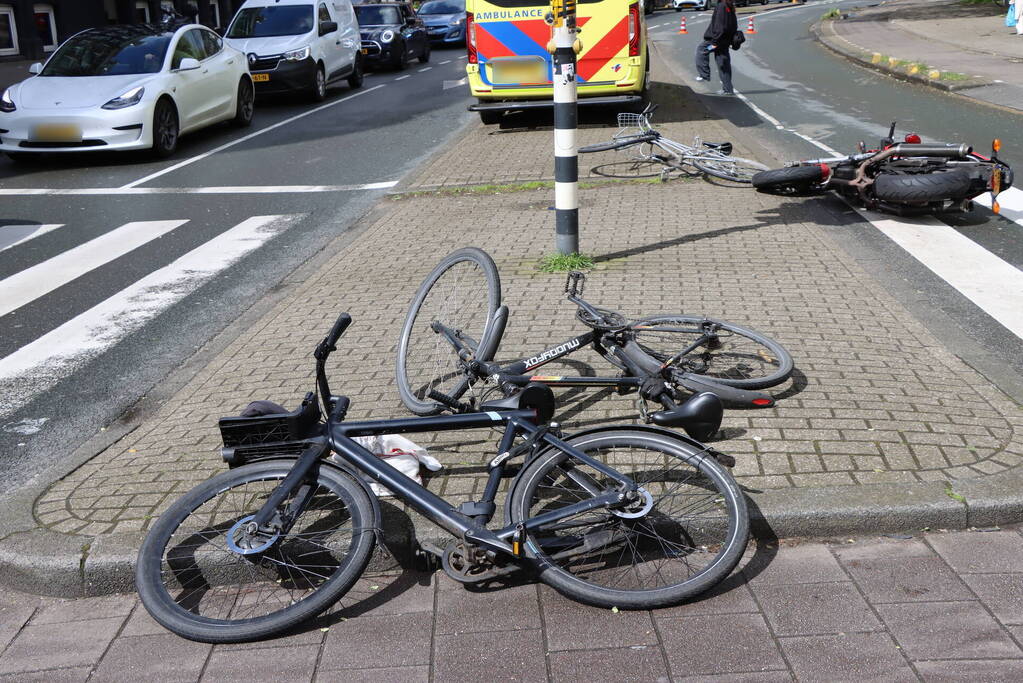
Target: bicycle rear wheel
<point x="684" y="537"/>
<point x="462" y="293"/>
<point x="194" y="580"/>
<point x="735" y="169"/>
<point x="643" y="167"/>
<point x="735" y="355"/>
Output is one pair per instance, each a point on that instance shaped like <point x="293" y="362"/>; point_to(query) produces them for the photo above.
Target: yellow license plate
<point x="57" y="132"/>
<point x="260" y="78"/>
<point x="365" y="51"/>
<point x="519" y="71"/>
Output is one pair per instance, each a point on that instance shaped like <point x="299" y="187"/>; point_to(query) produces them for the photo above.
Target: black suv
<point x="392" y="34"/>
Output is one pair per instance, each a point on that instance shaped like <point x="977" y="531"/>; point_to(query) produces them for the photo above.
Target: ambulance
<point x="509" y="67"/>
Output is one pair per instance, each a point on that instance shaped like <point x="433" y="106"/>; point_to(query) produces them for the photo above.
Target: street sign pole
<point x="566" y="161"/>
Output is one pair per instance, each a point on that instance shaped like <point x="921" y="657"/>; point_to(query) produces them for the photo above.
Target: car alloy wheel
<point x="320" y="85"/>
<point x="355" y="80"/>
<point x="165" y="128"/>
<point x="246" y="103"/>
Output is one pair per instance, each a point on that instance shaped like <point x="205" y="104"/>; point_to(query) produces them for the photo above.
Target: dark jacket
<point x="723" y="25"/>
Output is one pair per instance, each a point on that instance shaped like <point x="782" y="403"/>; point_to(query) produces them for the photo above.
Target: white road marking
<point x="464" y="57"/>
<point x="13" y="235"/>
<point x="425" y="68"/>
<point x="994" y="285"/>
<point x="57" y="354"/>
<point x="402" y="78"/>
<point x="225" y="189"/>
<point x="447" y="85"/>
<point x="1010" y="201"/>
<point x="446" y="61"/>
<point x="285" y="122"/>
<point x="32" y="283"/>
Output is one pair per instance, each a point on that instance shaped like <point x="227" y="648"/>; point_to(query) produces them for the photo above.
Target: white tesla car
<point x="126" y="87"/>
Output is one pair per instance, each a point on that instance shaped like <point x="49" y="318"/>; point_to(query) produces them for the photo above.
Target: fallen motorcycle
<point x="905" y="178"/>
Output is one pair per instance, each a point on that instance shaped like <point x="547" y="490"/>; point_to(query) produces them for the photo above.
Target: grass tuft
<point x="560" y="263"/>
<point x="832" y="14"/>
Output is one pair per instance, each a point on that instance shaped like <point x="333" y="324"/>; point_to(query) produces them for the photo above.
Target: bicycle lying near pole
<point x="455" y="323"/>
<point x="630" y="517"/>
<point x="657" y="155"/>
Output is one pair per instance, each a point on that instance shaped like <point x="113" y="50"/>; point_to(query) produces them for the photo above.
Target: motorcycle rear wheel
<point x="791" y="180"/>
<point x="920" y="188"/>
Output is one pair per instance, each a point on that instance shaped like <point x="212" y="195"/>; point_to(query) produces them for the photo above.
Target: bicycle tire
<point x="202" y="590"/>
<point x="633" y="168"/>
<point x="744" y="358"/>
<point x="734" y="169"/>
<point x="689" y="540"/>
<point x="463" y="291"/>
<point x="618" y="143"/>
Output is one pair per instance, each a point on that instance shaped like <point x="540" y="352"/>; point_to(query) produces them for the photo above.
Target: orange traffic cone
<point x="682" y="26"/>
<point x="749" y="27"/>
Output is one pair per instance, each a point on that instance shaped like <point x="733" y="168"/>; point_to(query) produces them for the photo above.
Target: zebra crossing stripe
<point x="13" y="235"/>
<point x="42" y="363"/>
<point x="32" y="283"/>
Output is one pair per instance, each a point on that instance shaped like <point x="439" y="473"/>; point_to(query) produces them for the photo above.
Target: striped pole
<point x="566" y="160"/>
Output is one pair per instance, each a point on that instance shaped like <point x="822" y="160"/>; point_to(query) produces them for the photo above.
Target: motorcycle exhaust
<point x="950" y="151"/>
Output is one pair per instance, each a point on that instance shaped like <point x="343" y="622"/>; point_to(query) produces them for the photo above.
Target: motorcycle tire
<point x="921" y="188"/>
<point x="788" y="181"/>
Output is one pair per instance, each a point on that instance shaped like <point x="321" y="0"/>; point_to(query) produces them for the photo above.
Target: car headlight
<point x="459" y="22"/>
<point x="128" y="99"/>
<point x="297" y="55"/>
<point x="387" y="36"/>
<point x="6" y="103"/>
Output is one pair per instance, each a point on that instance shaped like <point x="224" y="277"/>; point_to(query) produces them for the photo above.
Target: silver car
<point x="126" y="87"/>
<point x="680" y="5"/>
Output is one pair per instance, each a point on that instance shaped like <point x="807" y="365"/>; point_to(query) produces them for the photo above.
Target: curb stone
<point x="826" y="35"/>
<point x="41" y="561"/>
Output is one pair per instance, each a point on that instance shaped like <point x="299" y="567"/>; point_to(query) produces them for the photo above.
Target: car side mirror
<point x="327" y="27"/>
<point x="188" y="64"/>
<point x="36" y="68"/>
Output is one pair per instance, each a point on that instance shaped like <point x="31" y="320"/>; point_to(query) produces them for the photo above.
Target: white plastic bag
<point x="401" y="454"/>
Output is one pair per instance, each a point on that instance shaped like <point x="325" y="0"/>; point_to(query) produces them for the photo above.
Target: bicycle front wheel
<point x="735" y="169"/>
<point x="195" y="578"/>
<point x="685" y="534"/>
<point x="730" y="354"/>
<point x="462" y="293"/>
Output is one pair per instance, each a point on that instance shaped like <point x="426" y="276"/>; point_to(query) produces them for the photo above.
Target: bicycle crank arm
<point x="730" y="396"/>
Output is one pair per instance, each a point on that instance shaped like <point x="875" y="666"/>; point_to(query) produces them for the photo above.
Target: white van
<point x="298" y="45"/>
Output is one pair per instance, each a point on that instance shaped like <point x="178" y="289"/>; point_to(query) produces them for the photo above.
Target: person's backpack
<point x="737" y="40"/>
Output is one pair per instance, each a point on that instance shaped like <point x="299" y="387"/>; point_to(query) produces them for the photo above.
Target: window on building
<point x="8" y="31"/>
<point x="215" y="13"/>
<point x="46" y="26"/>
<point x="142" y="12"/>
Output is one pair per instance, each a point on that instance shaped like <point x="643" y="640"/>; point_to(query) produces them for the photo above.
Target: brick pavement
<point x="931" y="607"/>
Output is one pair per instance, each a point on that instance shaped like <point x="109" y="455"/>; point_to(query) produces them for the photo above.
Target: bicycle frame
<point x="472" y="527"/>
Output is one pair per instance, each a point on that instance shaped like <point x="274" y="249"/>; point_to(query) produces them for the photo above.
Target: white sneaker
<point x="725" y="94"/>
<point x="701" y="78"/>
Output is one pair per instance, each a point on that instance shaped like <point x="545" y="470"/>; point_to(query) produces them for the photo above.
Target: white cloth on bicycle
<point x="401" y="454"/>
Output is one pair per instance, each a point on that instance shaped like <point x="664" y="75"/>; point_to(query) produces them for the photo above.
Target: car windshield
<point x="374" y="15"/>
<point x="442" y="7"/>
<point x="266" y="22"/>
<point x="104" y="54"/>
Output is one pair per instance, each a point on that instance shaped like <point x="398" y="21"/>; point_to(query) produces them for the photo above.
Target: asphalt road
<point x="798" y="99"/>
<point x="53" y="399"/>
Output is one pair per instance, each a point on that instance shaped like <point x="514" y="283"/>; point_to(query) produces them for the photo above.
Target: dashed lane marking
<point x="425" y="68"/>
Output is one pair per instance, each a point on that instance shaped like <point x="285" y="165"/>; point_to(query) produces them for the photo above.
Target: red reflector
<point x="763" y="401"/>
<point x="913" y="138"/>
<point x="825" y="171"/>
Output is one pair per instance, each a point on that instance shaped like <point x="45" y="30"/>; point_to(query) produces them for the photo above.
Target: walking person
<point x="717" y="39"/>
<point x="1019" y="17"/>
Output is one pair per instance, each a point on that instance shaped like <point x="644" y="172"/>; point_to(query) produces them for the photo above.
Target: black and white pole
<point x="566" y="160"/>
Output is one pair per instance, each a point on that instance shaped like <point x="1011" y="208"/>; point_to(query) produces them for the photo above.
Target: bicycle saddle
<point x="534" y="396"/>
<point x="700" y="416"/>
<point x="723" y="147"/>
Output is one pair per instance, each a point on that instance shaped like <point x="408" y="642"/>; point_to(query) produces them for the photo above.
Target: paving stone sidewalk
<point x="946" y="44"/>
<point x="932" y="607"/>
<point x="880" y="428"/>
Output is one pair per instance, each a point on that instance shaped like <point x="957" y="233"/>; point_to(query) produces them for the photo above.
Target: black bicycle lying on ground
<point x="905" y="178"/>
<point x="455" y="324"/>
<point x="630" y="517"/>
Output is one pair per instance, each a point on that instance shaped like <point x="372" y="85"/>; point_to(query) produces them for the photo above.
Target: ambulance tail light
<point x="634" y="29"/>
<point x="470" y="38"/>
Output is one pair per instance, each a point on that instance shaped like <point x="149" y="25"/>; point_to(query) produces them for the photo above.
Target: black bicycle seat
<point x="534" y="396"/>
<point x="700" y="416"/>
<point x="723" y="147"/>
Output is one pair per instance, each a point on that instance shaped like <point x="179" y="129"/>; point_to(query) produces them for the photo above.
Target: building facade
<point x="31" y="30"/>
